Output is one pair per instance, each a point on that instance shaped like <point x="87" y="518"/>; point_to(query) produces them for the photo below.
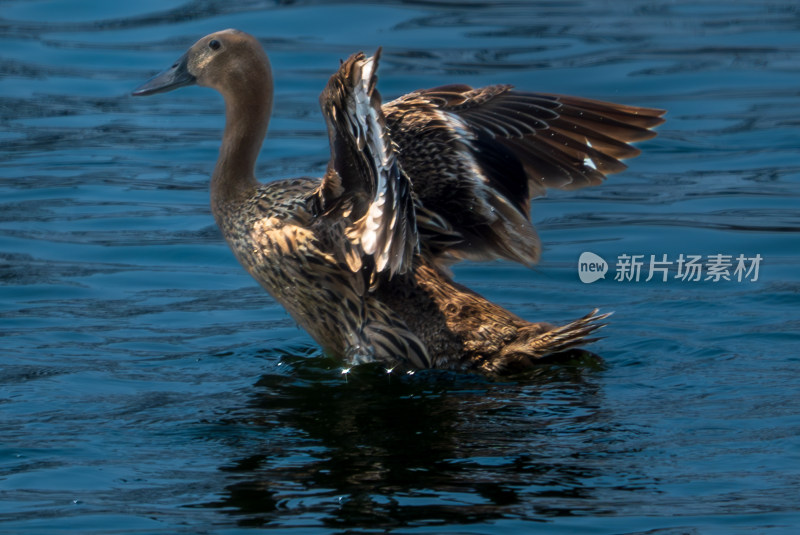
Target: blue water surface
<point x="148" y="385"/>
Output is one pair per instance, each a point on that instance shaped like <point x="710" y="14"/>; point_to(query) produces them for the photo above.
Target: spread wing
<point x="478" y="156"/>
<point x="364" y="183"/>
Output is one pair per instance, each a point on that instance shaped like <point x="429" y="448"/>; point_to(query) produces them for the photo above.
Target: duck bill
<point x="176" y="76"/>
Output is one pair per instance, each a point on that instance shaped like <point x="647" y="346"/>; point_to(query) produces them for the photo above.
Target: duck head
<point x="224" y="60"/>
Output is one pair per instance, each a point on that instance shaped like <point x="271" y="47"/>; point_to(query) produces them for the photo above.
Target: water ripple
<point x="149" y="385"/>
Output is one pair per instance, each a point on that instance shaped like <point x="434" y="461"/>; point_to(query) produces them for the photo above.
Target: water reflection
<point x="377" y="450"/>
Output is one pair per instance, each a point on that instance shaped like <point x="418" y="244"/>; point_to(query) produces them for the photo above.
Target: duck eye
<point x="214" y="44"/>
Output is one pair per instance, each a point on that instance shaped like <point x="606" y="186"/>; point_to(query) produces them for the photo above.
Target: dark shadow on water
<point x="376" y="450"/>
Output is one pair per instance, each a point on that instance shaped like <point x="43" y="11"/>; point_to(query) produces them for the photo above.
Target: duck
<point x="360" y="258"/>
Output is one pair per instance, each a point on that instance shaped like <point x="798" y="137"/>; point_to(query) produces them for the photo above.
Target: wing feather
<point x="474" y="154"/>
<point x="364" y="181"/>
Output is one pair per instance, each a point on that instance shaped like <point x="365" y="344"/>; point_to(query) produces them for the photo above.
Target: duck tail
<point x="537" y="342"/>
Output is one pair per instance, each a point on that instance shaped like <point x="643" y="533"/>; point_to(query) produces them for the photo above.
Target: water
<point x="148" y="386"/>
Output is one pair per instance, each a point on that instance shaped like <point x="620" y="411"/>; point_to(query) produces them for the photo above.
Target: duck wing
<point x="477" y="157"/>
<point x="364" y="183"/>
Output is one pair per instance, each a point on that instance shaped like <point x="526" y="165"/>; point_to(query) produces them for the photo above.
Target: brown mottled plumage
<point x="359" y="259"/>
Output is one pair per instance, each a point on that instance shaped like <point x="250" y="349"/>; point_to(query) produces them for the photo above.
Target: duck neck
<point x="247" y="112"/>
